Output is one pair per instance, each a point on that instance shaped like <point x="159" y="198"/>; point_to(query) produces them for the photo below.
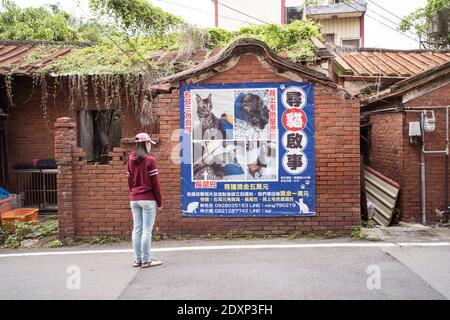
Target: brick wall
<point x="386" y="151"/>
<point x="394" y="156"/>
<point x="100" y="195"/>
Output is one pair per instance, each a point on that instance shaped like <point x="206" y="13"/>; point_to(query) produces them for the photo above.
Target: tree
<point x="137" y="17"/>
<point x="34" y="24"/>
<point x="45" y="23"/>
<point x="424" y="21"/>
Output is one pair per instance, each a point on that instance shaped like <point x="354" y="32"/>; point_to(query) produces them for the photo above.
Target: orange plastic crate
<point x="21" y="214"/>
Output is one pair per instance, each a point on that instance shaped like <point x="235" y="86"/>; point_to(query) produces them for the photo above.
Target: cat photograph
<point x="251" y="116"/>
<point x="261" y="161"/>
<point x="218" y="160"/>
<point x="210" y="123"/>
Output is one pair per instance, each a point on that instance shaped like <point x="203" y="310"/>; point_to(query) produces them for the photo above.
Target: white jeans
<point x="144" y="214"/>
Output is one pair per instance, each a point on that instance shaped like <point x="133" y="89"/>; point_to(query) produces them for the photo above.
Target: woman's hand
<point x="160" y="208"/>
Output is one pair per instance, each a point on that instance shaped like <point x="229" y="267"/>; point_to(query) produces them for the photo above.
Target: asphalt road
<point x="265" y="270"/>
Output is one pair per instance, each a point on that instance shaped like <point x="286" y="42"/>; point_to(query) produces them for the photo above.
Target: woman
<point x="143" y="181"/>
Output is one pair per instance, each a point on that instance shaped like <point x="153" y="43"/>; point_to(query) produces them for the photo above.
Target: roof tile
<point x="390" y="63"/>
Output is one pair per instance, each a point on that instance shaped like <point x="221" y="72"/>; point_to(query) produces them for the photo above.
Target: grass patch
<point x="15" y="232"/>
<point x="70" y="243"/>
<point x="54" y="244"/>
<point x="331" y="235"/>
<point x="311" y="236"/>
<point x="295" y="236"/>
<point x="367" y="224"/>
<point x="358" y="234"/>
<point x="106" y="240"/>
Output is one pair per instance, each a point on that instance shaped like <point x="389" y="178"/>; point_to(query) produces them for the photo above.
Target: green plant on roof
<point x="126" y="33"/>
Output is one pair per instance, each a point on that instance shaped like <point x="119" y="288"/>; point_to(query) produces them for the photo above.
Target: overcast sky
<point x="202" y="14"/>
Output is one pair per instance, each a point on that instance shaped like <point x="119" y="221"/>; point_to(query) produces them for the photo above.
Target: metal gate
<point x="37" y="188"/>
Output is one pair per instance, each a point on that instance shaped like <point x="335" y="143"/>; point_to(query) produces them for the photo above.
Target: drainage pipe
<point x="422" y="165"/>
<point x="422" y="171"/>
<point x="445" y="217"/>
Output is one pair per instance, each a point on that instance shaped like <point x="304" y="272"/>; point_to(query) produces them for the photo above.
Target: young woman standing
<point x="145" y="198"/>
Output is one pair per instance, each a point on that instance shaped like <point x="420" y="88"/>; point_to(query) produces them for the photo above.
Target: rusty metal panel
<point x="383" y="193"/>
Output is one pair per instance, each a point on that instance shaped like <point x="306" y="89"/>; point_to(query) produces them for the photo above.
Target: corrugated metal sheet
<point x="389" y="63"/>
<point x="343" y="28"/>
<point x="383" y="193"/>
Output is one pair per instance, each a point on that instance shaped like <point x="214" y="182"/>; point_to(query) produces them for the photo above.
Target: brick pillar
<point x="65" y="143"/>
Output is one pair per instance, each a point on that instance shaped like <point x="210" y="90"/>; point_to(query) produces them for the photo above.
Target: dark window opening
<point x="351" y="42"/>
<point x="293" y="14"/>
<point x="365" y="142"/>
<point x="99" y="132"/>
<point x="329" y="37"/>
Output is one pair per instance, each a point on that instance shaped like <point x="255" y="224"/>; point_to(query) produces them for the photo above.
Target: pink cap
<point x="143" y="137"/>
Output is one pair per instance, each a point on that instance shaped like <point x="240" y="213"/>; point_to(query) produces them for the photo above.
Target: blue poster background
<point x="292" y="193"/>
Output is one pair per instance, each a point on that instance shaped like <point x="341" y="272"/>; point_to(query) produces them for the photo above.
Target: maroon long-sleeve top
<point x="143" y="179"/>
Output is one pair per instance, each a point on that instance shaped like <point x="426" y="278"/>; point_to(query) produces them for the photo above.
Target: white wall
<point x="265" y="10"/>
<point x="342" y="28"/>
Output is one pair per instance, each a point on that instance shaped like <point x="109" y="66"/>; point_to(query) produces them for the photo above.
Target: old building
<point x="408" y="141"/>
<point x="367" y="71"/>
<point x="92" y="196"/>
<point x="341" y="23"/>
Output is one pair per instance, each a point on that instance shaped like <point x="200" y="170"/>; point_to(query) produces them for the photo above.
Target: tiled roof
<point x="25" y="57"/>
<point x="430" y="76"/>
<point x="388" y="63"/>
<point x="223" y="59"/>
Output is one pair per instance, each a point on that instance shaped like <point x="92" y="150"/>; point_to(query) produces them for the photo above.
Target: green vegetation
<point x="44" y="23"/>
<point x="358" y="234"/>
<point x="125" y="33"/>
<point x="54" y="244"/>
<point x="311" y="236"/>
<point x="420" y="22"/>
<point x="70" y="243"/>
<point x="367" y="224"/>
<point x="331" y="235"/>
<point x="105" y="239"/>
<point x="16" y="232"/>
<point x="136" y="17"/>
<point x="178" y="237"/>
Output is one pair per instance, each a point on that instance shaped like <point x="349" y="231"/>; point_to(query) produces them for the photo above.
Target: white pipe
<point x="420" y="109"/>
<point x="434" y="152"/>
<point x="423" y="152"/>
<point x="422" y="172"/>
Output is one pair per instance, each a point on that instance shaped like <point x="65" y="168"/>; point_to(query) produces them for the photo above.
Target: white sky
<point x="376" y="35"/>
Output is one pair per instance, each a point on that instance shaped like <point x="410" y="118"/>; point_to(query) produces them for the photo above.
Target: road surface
<point x="257" y="269"/>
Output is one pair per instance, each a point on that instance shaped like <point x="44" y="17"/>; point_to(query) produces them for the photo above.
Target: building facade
<point x="93" y="198"/>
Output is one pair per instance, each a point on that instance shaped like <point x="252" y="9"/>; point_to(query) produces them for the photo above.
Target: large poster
<point x="247" y="149"/>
